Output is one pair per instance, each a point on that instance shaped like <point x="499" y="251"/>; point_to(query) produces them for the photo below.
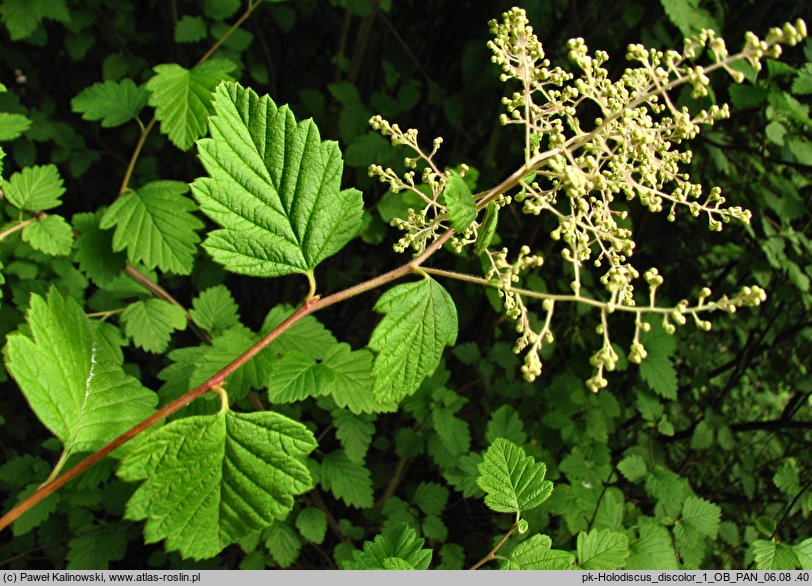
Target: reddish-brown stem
<point x="310" y="306"/>
<point x="492" y="553"/>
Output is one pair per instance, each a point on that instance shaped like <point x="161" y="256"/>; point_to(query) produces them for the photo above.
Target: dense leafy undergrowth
<point x="252" y="319"/>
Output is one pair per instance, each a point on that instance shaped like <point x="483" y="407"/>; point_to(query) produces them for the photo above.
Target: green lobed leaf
<point x="653" y="550"/>
<point x="657" y="369"/>
<point x="224" y="349"/>
<point x="512" y="481"/>
<point x="505" y="422"/>
<point x="150" y="323"/>
<point x="689" y="17"/>
<point x="37" y="515"/>
<point x="700" y="518"/>
<point x="13" y="125"/>
<point x="22" y="17"/>
<point x="602" y="549"/>
<point x="156" y="226"/>
<point x="312" y="524"/>
<point x="220" y="9"/>
<point x="97" y="547"/>
<point x="459" y="201"/>
<point x="434" y="528"/>
<point x="190" y="29"/>
<point x="633" y="467"/>
<point x="352" y="380"/>
<point x="51" y="235"/>
<point x="431" y="498"/>
<point x="182" y="98"/>
<point x="769" y="555"/>
<point x="787" y="477"/>
<point x="420" y="319"/>
<point x="464" y="476"/>
<point x="803" y="551"/>
<point x="454" y="433"/>
<point x="113" y="102"/>
<point x="535" y="554"/>
<point x="354" y="432"/>
<point x="307" y="336"/>
<point x="283" y="543"/>
<point x="347" y="480"/>
<point x="400" y="542"/>
<point x="215" y="310"/>
<point x="274" y="187"/>
<point x="295" y="377"/>
<point x="210" y="480"/>
<point x="802" y="84"/>
<point x="35" y="188"/>
<point x="94" y="249"/>
<point x="70" y="380"/>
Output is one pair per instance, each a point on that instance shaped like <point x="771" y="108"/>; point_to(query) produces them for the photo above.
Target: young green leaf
<point x="150" y="323"/>
<point x="354" y="432"/>
<point x="13" y="125"/>
<point x="156" y="226"/>
<point x="274" y="187"/>
<point x="399" y="543"/>
<point x="459" y="201"/>
<point x="210" y="480"/>
<point x="312" y="524"/>
<point x="420" y="319"/>
<point x="347" y="480"/>
<point x="602" y="549"/>
<point x="70" y="380"/>
<point x="51" y="235"/>
<point x="535" y="554"/>
<point x="113" y="102"/>
<point x="215" y="310"/>
<point x="34" y="188"/>
<point x="512" y="481"/>
<point x="182" y="98"/>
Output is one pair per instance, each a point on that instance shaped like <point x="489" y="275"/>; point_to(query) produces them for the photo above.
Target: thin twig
<point x="492" y="554"/>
